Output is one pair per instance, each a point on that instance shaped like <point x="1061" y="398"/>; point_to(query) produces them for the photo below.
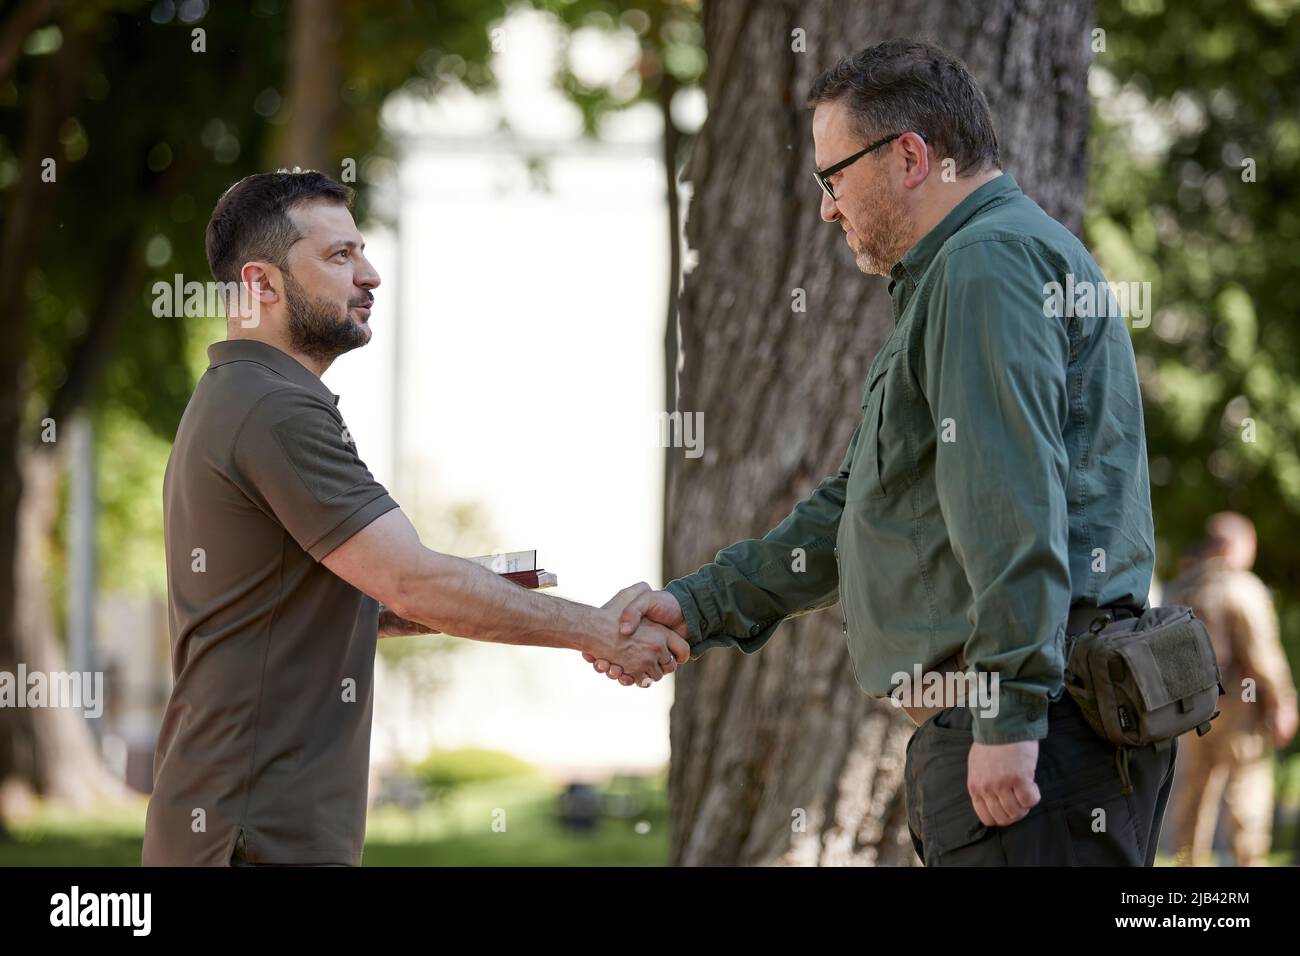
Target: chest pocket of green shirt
<point x="864" y="475"/>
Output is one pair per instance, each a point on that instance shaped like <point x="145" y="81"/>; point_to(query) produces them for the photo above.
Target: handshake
<point x="650" y="640"/>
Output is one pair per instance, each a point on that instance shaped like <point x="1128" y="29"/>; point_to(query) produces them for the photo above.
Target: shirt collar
<point x="268" y="356"/>
<point x="914" y="262"/>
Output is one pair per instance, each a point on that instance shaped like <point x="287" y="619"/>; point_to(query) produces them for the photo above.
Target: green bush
<point x="445" y="770"/>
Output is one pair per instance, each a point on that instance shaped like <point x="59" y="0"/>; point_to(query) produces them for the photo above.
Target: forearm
<point x="740" y="598"/>
<point x="386" y="560"/>
<point x="1259" y="648"/>
<point x="459" y="597"/>
<point x="1267" y="664"/>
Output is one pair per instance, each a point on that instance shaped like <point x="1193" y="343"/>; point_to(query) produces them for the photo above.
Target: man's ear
<point x="916" y="159"/>
<point x="262" y="282"/>
<point x="258" y="287"/>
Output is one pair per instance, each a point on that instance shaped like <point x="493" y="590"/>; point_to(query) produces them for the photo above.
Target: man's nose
<point x="830" y="211"/>
<point x="366" y="276"/>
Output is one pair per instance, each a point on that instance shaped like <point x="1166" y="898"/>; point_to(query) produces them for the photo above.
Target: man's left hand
<point x="391" y="625"/>
<point x="1000" y="778"/>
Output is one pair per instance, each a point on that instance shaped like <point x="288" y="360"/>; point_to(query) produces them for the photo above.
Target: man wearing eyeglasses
<point x="994" y="499"/>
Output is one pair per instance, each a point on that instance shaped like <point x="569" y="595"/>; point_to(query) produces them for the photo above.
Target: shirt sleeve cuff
<point x="696" y="623"/>
<point x="1019" y="716"/>
<point x="351" y="525"/>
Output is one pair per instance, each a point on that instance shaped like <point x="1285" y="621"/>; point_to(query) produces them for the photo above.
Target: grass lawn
<point x="459" y="831"/>
<point x="496" y="823"/>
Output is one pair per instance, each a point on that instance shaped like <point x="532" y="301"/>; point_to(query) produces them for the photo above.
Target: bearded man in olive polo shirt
<point x="281" y="547"/>
<point x="994" y="499"/>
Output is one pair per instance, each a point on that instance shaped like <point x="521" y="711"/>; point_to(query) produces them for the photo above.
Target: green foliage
<point x="1189" y="97"/>
<point x="671" y="40"/>
<point x="129" y="518"/>
<point x="445" y="770"/>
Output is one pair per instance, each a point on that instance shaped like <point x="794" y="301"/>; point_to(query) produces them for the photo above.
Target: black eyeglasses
<point x="824" y="175"/>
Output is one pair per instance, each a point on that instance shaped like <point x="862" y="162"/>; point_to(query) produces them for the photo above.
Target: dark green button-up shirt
<point x="998" y="475"/>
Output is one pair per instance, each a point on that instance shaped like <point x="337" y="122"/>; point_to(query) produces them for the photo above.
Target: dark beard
<point x="316" y="329"/>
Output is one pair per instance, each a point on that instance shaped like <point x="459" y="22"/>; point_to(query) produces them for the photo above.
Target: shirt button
<point x="837" y="551"/>
<point x="844" y="628"/>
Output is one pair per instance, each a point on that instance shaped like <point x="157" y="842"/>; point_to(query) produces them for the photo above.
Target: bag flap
<point x="1170" y="662"/>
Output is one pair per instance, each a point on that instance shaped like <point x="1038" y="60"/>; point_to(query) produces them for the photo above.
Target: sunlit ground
<point x="493" y="823"/>
<point x="458" y="831"/>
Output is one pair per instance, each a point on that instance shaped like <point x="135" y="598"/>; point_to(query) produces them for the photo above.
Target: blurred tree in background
<point x="1195" y="187"/>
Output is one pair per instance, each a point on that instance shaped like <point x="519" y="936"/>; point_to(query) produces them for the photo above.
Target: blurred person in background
<point x="1233" y="762"/>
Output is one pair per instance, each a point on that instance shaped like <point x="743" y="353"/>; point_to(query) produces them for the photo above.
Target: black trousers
<point x="1082" y="819"/>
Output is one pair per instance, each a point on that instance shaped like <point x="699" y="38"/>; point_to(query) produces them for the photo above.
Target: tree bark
<point x="58" y="752"/>
<point x="23" y="19"/>
<point x="315" y="76"/>
<point x="778" y="757"/>
<point x="671" y="145"/>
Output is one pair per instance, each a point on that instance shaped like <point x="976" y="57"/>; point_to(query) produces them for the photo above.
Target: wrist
<point x="693" y="619"/>
<point x="587" y="630"/>
<point x="599" y="641"/>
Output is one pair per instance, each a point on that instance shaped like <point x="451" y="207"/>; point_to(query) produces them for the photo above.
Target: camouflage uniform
<point x="1234" y="761"/>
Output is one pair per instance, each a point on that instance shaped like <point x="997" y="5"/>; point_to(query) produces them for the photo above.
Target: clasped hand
<point x="644" y="615"/>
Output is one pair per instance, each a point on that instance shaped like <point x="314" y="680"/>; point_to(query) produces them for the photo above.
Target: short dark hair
<point x="909" y="85"/>
<point x="251" y="219"/>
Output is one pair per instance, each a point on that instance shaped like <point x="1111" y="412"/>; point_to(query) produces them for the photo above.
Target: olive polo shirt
<point x="266" y="735"/>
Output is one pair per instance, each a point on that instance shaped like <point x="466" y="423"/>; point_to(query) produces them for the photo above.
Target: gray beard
<point x="868" y="265"/>
<point x="880" y="264"/>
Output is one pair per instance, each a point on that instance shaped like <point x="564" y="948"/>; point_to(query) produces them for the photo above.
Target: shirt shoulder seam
<point x="1032" y="241"/>
<point x="234" y="441"/>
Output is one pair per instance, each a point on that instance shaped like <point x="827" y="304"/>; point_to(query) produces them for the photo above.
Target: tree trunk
<point x="778" y="757"/>
<point x="312" y="107"/>
<point x="62" y="761"/>
<point x="671" y="145"/>
<point x="17" y="28"/>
